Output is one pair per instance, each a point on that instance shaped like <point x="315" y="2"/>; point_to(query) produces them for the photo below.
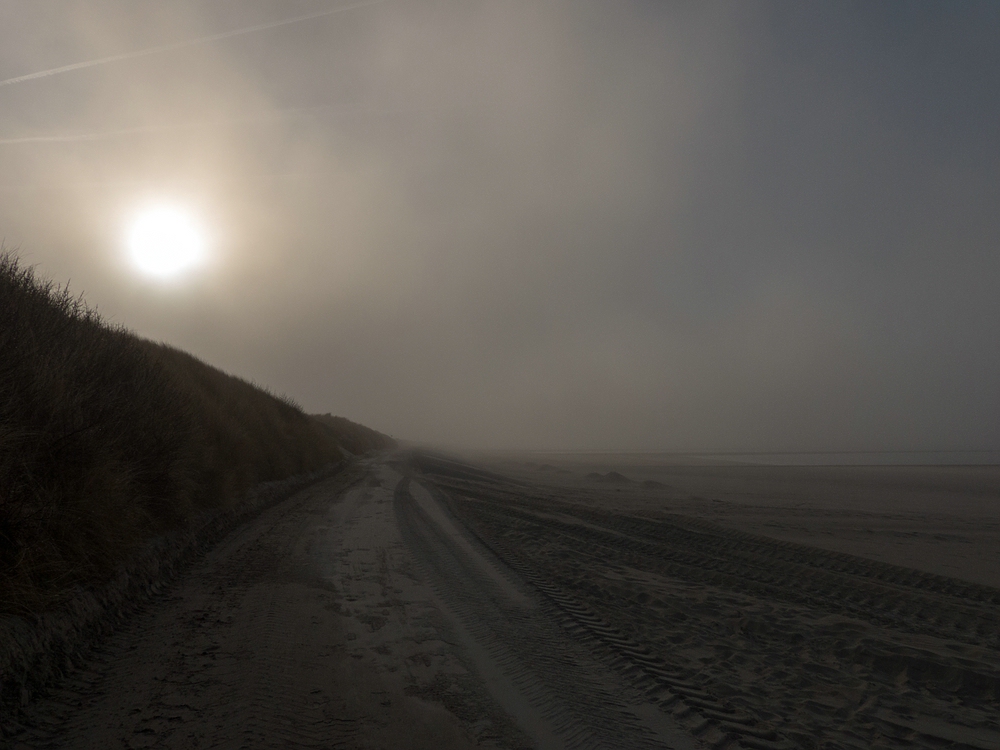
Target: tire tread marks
<point x="650" y="590"/>
<point x="548" y="670"/>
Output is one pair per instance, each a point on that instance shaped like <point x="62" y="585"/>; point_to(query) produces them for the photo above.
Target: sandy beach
<point x="940" y="519"/>
<point x="422" y="601"/>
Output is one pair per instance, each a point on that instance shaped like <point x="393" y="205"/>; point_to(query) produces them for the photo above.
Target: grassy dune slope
<point x="354" y="437"/>
<point x="107" y="439"/>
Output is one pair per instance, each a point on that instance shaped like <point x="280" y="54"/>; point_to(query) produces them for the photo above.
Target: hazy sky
<point x="660" y="225"/>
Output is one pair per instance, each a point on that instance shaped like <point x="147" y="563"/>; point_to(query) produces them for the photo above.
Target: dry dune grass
<point x="107" y="439"/>
<point x="352" y="436"/>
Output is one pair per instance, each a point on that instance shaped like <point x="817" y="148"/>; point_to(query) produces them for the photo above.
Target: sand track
<point x="305" y="628"/>
<point x="561" y="691"/>
<point x="751" y="641"/>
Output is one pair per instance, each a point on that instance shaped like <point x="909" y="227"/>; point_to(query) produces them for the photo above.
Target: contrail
<point x="187" y="43"/>
<point x="63" y="186"/>
<point x="105" y="134"/>
<point x="75" y="137"/>
<point x="274" y="115"/>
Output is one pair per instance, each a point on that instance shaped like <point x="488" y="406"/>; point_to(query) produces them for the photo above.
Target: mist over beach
<point x="438" y="374"/>
<point x="660" y="226"/>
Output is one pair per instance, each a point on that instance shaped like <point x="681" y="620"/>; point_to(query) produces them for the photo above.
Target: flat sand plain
<point x="939" y="519"/>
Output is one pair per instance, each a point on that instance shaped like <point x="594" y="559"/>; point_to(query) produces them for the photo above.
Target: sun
<point x="166" y="240"/>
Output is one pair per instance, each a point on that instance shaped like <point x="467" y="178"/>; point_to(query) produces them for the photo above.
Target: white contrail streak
<point x="186" y="43"/>
<point x="64" y="186"/>
<point x="330" y="110"/>
<point x="76" y="137"/>
<point x="105" y="134"/>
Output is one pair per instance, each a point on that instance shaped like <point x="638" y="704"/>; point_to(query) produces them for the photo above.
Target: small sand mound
<point x="612" y="477"/>
<point x="615" y="478"/>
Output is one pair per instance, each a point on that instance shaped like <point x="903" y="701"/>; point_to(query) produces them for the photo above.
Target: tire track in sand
<point x="825" y="649"/>
<point x="561" y="693"/>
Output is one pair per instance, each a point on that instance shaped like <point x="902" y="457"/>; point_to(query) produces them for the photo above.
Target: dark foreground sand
<point x="421" y="602"/>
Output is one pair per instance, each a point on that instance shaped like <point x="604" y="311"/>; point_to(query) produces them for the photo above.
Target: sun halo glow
<point x="165" y="240"/>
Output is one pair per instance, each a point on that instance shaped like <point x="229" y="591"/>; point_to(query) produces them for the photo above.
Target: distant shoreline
<point x="803" y="458"/>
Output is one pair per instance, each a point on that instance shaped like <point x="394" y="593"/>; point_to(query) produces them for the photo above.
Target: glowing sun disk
<point x="164" y="241"/>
